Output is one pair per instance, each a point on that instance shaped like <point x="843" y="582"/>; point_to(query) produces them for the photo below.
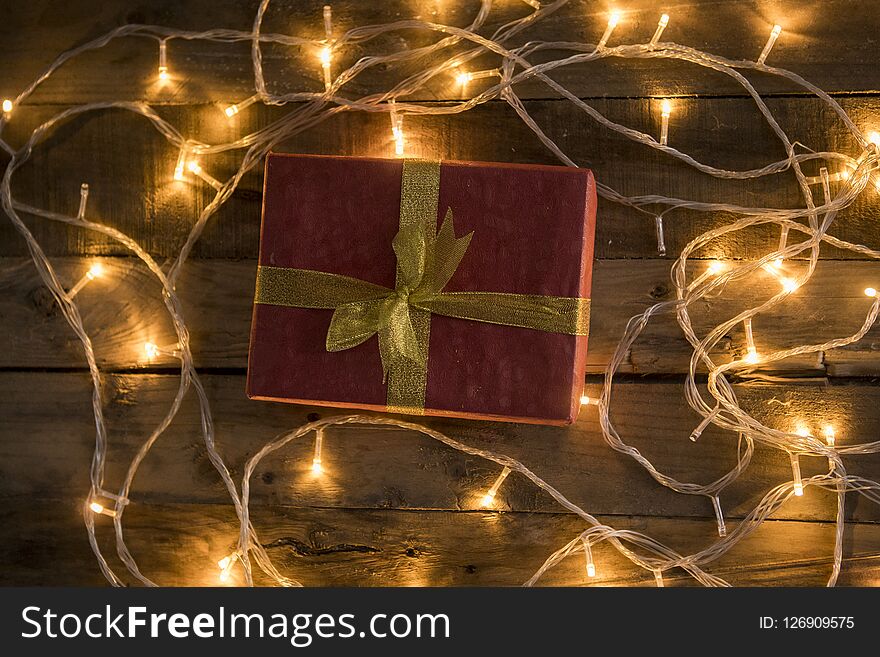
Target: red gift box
<point x="532" y="234"/>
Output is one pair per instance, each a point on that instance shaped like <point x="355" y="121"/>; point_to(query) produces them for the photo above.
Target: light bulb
<point x="751" y="357"/>
<point x="665" y="111"/>
<point x="588" y="555"/>
<point x="798" y="483"/>
<point x="828" y="432"/>
<point x="489" y="497"/>
<point x="96" y="270"/>
<point x="235" y="108"/>
<point x="224" y="563"/>
<point x="774" y="34"/>
<point x="151" y="350"/>
<point x="613" y="20"/>
<point x="463" y="78"/>
<point x="716" y="267"/>
<point x="664" y="21"/>
<point x="325" y="55"/>
<point x="100" y="509"/>
<point x="319" y="447"/>
<point x="224" y="576"/>
<point x="194" y="167"/>
<point x="7" y="106"/>
<point x="163" y="61"/>
<point x="873" y="137"/>
<point x="97" y="508"/>
<point x="870" y="292"/>
<point x="789" y="284"/>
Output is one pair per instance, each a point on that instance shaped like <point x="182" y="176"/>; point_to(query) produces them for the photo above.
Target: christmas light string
<point x="715" y="400"/>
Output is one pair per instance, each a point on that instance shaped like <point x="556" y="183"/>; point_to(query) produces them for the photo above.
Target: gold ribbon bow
<point x="426" y="261"/>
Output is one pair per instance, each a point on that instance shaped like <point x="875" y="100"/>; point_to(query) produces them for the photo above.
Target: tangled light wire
<point x="715" y="401"/>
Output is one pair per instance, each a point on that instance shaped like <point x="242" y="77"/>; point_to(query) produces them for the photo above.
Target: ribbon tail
<point x="353" y="324"/>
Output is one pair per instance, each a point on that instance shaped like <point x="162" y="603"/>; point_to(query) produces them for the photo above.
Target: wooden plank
<point x="129" y="168"/>
<point x="828" y="43"/>
<point x="179" y="545"/>
<point x="48" y="437"/>
<point x="123" y="310"/>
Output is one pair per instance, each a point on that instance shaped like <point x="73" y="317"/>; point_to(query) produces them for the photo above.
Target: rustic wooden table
<point x="396" y="508"/>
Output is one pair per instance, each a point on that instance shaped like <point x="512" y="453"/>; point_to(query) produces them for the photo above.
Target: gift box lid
<point x="532" y="234"/>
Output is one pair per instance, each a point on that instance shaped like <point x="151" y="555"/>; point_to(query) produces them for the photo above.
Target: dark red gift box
<point x="533" y="230"/>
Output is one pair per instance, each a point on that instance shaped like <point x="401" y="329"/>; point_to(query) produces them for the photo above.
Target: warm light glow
<point x="231" y="111"/>
<point x="151" y="350"/>
<point x="163" y="73"/>
<point x="751" y="357"/>
<point x="613" y="20"/>
<point x="830" y="435"/>
<point x="716" y="267"/>
<point x="181" y="163"/>
<point x="802" y="431"/>
<point x="224" y="563"/>
<point x="585" y="399"/>
<point x="789" y="284"/>
<point x="463" y="78"/>
<point x="798" y="488"/>
<point x="591" y="570"/>
<point x="224" y="576"/>
<point x="97" y="508"/>
<point x="874" y="138"/>
<point x="7" y="106"/>
<point x="798" y="484"/>
<point x="661" y="25"/>
<point x="870" y="292"/>
<point x="488" y="499"/>
<point x="96" y="270"/>
<point x="665" y="111"/>
<point x="325" y="56"/>
<point x="317" y="468"/>
<point x="664" y="20"/>
<point x="194" y="167"/>
<point x="666" y="107"/>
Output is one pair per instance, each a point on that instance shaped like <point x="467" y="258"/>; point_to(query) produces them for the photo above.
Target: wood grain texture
<point x="46" y="544"/>
<point x="122" y="311"/>
<point x="830" y="43"/>
<point x="48" y="437"/>
<point x="129" y="167"/>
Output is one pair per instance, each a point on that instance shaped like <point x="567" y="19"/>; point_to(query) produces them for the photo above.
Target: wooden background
<point x="396" y="508"/>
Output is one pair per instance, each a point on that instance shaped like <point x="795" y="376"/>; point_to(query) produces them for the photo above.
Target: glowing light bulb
<point x="830" y="435"/>
<point x="586" y="399"/>
<point x="96" y="270"/>
<point x="234" y="109"/>
<point x="789" y="284"/>
<point x="588" y="554"/>
<point x="716" y="267"/>
<point x="870" y="292"/>
<point x="224" y="575"/>
<point x="463" y="78"/>
<point x="751" y="357"/>
<point x="796" y="475"/>
<point x="774" y="34"/>
<point x="802" y="431"/>
<point x="317" y="468"/>
<point x="224" y="563"/>
<point x="7" y="106"/>
<point x="181" y="163"/>
<point x="613" y="20"/>
<point x="196" y="169"/>
<point x="664" y="21"/>
<point x="151" y="350"/>
<point x="489" y="497"/>
<point x="163" y="61"/>
<point x="100" y="509"/>
<point x="665" y="112"/>
<point x="325" y="55"/>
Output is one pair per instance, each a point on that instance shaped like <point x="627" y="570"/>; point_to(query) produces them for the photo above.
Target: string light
<point x="751" y="349"/>
<point x="181" y="163"/>
<point x="734" y="420"/>
<point x="95" y="271"/>
<point x="870" y="292"/>
<point x="774" y="34"/>
<point x="83" y="199"/>
<point x="195" y="168"/>
<point x="7" y="108"/>
<point x="152" y="351"/>
<point x="719" y="516"/>
<point x="658" y="578"/>
<point x="397" y="130"/>
<point x="586" y="400"/>
<point x="665" y="112"/>
<point x="100" y="509"/>
<point x="664" y="21"/>
<point x="661" y="240"/>
<point x="588" y="554"/>
<point x="163" y="60"/>
<point x="234" y="109"/>
<point x="326" y="52"/>
<point x="613" y="20"/>
<point x="489" y="497"/>
<point x="317" y="467"/>
<point x="828" y="432"/>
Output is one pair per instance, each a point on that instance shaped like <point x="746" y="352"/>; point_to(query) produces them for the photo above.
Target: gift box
<point x="457" y="289"/>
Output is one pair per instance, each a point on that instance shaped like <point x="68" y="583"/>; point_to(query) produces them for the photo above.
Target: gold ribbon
<point x="426" y="261"/>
